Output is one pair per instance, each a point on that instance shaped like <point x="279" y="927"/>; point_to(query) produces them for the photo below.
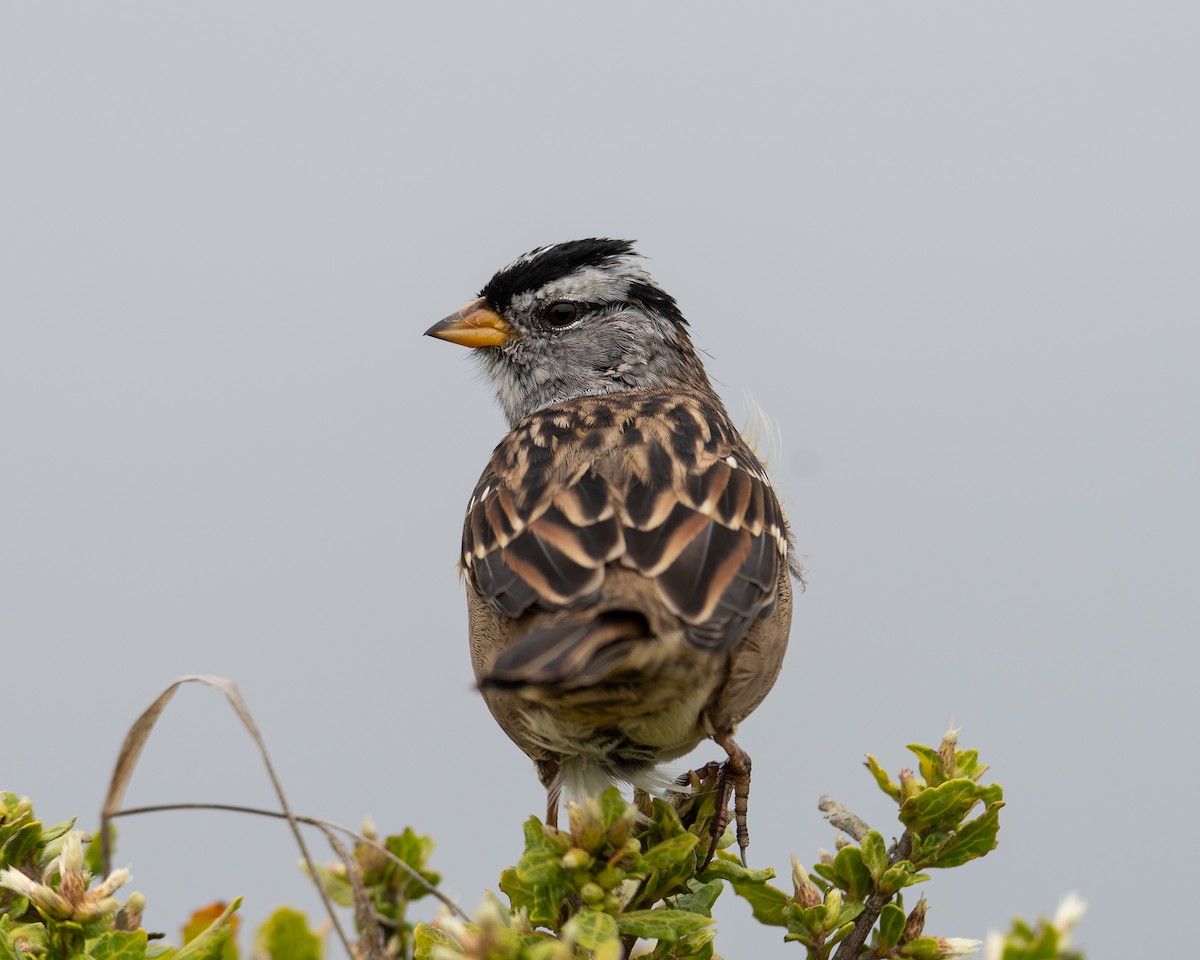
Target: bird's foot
<point x="734" y="780"/>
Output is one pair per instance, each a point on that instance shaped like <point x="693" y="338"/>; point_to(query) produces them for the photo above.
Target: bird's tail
<point x="573" y="653"/>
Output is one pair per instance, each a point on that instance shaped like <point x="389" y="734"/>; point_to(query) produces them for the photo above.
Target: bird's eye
<point x="561" y="313"/>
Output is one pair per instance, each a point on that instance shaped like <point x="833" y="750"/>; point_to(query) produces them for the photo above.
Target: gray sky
<point x="950" y="248"/>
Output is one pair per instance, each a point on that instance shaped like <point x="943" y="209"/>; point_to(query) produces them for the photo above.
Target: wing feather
<point x="659" y="483"/>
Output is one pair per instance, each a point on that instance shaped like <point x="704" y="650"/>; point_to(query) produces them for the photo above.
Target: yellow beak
<point x="475" y="325"/>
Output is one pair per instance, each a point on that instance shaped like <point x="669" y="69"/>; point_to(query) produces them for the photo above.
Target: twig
<point x="849" y="948"/>
<point x="131" y="750"/>
<point x="370" y="936"/>
<point x="309" y="821"/>
<point x="843" y="819"/>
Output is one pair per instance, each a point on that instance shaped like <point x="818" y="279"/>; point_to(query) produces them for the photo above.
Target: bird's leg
<point x="641" y="800"/>
<point x="735" y="779"/>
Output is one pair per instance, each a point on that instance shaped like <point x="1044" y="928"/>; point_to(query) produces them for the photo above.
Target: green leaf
<point x="809" y="921"/>
<point x="426" y="939"/>
<point x="1026" y="943"/>
<point x="551" y="950"/>
<point x="414" y="849"/>
<point x="851" y="873"/>
<point x="767" y="903"/>
<point x="20" y="843"/>
<point x="612" y="807"/>
<point x="966" y="764"/>
<point x="886" y="783"/>
<point x="285" y="935"/>
<point x="54" y="831"/>
<point x="660" y="924"/>
<point x="900" y="875"/>
<point x="519" y="894"/>
<point x="945" y="806"/>
<point x="700" y="898"/>
<point x="541" y="867"/>
<point x="666" y="883"/>
<point x="7" y="952"/>
<point x="694" y="946"/>
<point x="11" y="904"/>
<point x="666" y="819"/>
<point x="591" y="929"/>
<point x="850" y="911"/>
<point x="891" y="925"/>
<point x="119" y="945"/>
<point x="204" y="918"/>
<point x="409" y="847"/>
<point x="990" y="793"/>
<point x="336" y="885"/>
<point x="922" y="948"/>
<point x="669" y="853"/>
<point x="725" y="867"/>
<point x="942" y="806"/>
<point x="925" y="846"/>
<point x="535" y="834"/>
<point x="547" y="902"/>
<point x="974" y="839"/>
<point x="929" y="763"/>
<point x="210" y="944"/>
<point x="33" y="933"/>
<point x="840" y="934"/>
<point x="874" y="854"/>
<point x="91" y="853"/>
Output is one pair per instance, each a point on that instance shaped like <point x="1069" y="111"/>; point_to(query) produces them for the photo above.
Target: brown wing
<point x="662" y="484"/>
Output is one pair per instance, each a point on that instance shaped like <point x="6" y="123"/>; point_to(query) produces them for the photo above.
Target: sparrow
<point x="628" y="564"/>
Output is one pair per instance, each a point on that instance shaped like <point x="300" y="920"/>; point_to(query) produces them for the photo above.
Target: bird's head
<point x="575" y="319"/>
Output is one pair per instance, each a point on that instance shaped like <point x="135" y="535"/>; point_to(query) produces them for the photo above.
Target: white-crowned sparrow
<point x="627" y="561"/>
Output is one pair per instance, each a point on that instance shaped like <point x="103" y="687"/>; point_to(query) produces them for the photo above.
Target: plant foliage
<point x="614" y="883"/>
